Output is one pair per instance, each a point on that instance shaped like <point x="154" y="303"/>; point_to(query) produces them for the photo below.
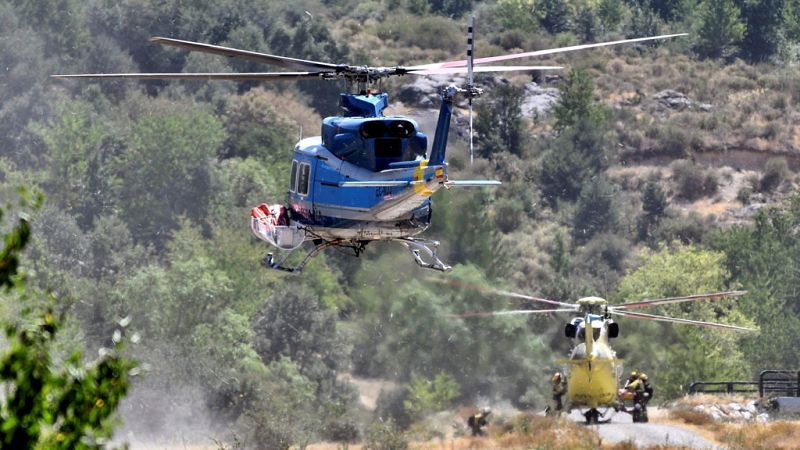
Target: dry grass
<point x="691" y="417"/>
<point x="708" y="206"/>
<point x="782" y="435"/>
<point x="632" y="446"/>
<point x="706" y="399"/>
<point x="529" y="431"/>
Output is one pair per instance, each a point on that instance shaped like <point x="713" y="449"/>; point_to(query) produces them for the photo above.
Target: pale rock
<point x="762" y="418"/>
<point x="734" y="407"/>
<point x="747" y="416"/>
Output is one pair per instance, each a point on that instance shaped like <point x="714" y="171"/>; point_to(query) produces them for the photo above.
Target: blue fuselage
<point x="322" y="202"/>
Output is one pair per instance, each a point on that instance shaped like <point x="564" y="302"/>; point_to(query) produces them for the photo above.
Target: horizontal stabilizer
<point x="472" y="183"/>
<point x="376" y="183"/>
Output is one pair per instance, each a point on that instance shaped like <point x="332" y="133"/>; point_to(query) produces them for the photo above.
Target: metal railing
<point x="784" y="383"/>
<point x="723" y="387"/>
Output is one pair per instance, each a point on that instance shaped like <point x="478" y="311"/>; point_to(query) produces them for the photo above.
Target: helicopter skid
<point x="270" y="263"/>
<point x="430" y="248"/>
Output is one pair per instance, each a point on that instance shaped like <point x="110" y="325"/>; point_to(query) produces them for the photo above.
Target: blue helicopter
<point x="368" y="177"/>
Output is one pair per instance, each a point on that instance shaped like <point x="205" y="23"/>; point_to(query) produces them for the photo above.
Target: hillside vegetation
<point x="614" y="192"/>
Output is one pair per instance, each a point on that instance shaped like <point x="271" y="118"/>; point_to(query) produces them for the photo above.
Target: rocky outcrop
<point x="424" y="92"/>
<point x="672" y="99"/>
<point x="538" y="100"/>
<point x="729" y="411"/>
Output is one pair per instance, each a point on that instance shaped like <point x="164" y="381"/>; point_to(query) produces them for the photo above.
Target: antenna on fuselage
<point x="470" y="25"/>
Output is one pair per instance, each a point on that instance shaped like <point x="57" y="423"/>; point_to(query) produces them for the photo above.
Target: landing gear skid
<point x="415" y="246"/>
<point x="430" y="248"/>
<point x="269" y="260"/>
<point x="592" y="416"/>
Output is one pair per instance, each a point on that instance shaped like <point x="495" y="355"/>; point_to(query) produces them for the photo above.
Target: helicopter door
<point x="301" y="186"/>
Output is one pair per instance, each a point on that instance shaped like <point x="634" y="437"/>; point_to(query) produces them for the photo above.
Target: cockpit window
<point x="373" y="129"/>
<point x="293" y="181"/>
<point x="401" y="129"/>
<point x="303" y="179"/>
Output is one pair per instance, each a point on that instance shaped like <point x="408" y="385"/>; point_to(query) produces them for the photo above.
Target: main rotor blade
<point x="205" y="76"/>
<point x="669" y="300"/>
<point x="638" y="315"/>
<point x="490" y="59"/>
<point x="487" y="290"/>
<point x="280" y="61"/>
<point x="510" y="312"/>
<point x="459" y="70"/>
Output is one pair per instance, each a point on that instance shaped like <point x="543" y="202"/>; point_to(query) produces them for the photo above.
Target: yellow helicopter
<point x="593" y="369"/>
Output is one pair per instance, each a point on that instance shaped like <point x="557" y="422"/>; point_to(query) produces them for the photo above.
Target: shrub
<point x="688" y="230"/>
<point x="385" y="436"/>
<point x="429" y="32"/>
<point x="389" y="407"/>
<point x="596" y="210"/>
<point x="775" y="171"/>
<point x="744" y="194"/>
<point x="427" y="396"/>
<point x="692" y="181"/>
<point x="678" y="142"/>
<point x="508" y="214"/>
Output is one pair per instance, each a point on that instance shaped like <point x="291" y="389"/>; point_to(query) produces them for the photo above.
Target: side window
<point x="303" y="181"/>
<point x="293" y="181"/>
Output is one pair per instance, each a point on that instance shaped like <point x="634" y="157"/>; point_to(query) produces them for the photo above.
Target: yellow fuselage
<point x="593" y="366"/>
<point x="592" y="382"/>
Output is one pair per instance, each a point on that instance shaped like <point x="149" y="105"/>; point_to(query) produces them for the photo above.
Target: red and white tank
<point x="271" y="223"/>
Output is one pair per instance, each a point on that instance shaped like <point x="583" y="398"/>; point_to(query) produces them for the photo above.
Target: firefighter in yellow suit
<point x="559" y="388"/>
<point x="479" y="420"/>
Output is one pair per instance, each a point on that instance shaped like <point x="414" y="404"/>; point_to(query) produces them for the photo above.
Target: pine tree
<point x="763" y="19"/>
<point x="720" y="29"/>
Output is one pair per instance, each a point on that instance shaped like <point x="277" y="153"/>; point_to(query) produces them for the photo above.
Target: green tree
<point x="485" y="357"/>
<point x="763" y="19"/>
<point x="580" y="151"/>
<point x="557" y="16"/>
<point x="654" y="205"/>
<point x="499" y="125"/>
<point x="576" y="104"/>
<point x="586" y="24"/>
<point x="683" y="354"/>
<point x="670" y="10"/>
<point x="518" y="14"/>
<point x="293" y="324"/>
<point x="611" y="14"/>
<point x="596" y="211"/>
<point x="167" y="171"/>
<point x="643" y="21"/>
<point x="453" y="8"/>
<point x="573" y="158"/>
<point x="720" y="29"/>
<point x="52" y="404"/>
<point x="79" y="178"/>
<point x="764" y="258"/>
<point x="427" y="396"/>
<point x="256" y="128"/>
